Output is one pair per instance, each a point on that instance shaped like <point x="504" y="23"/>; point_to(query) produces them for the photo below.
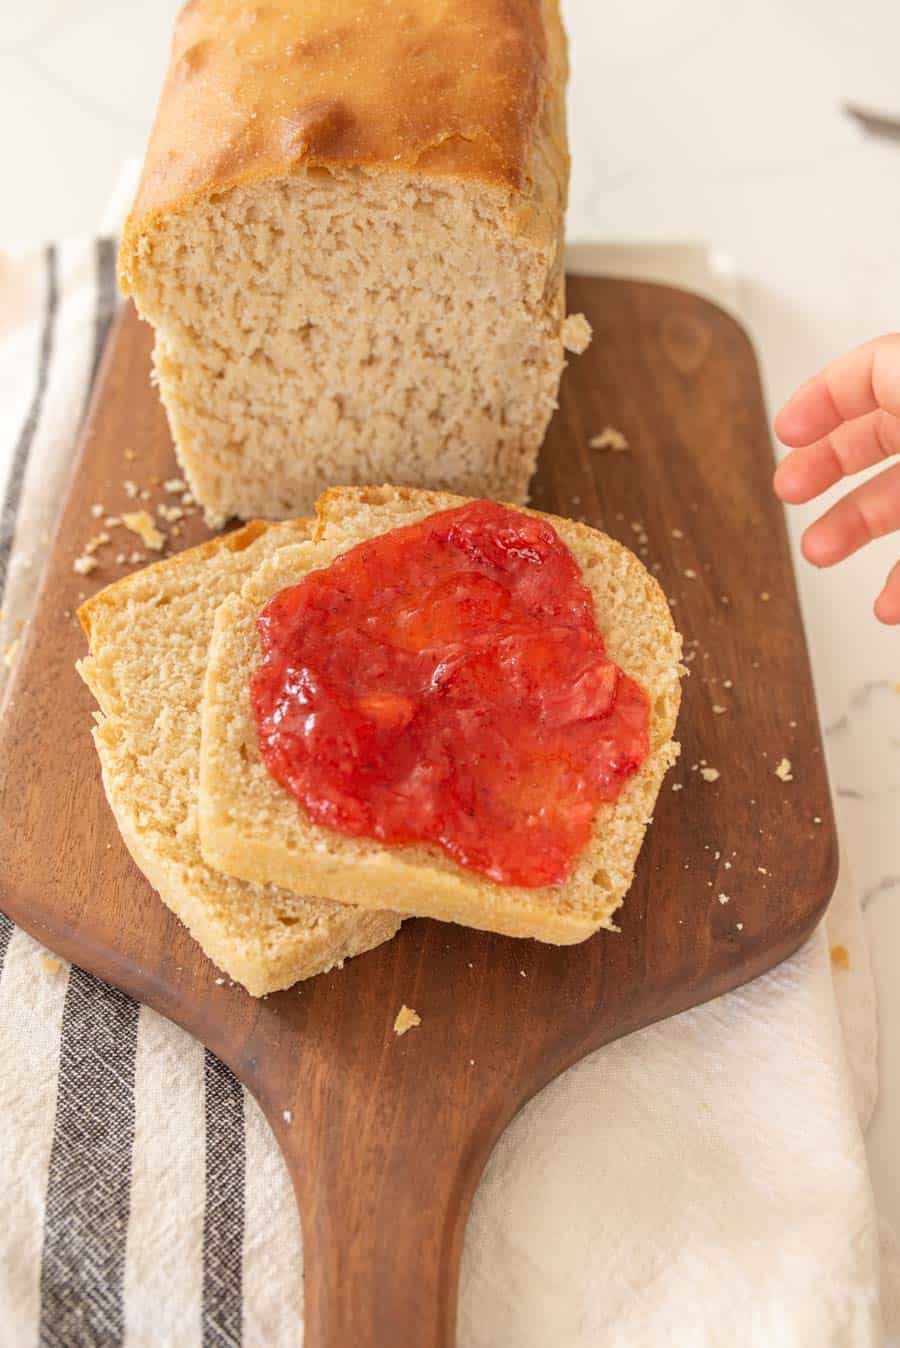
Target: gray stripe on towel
<point x="9" y="511"/>
<point x="6" y="930"/>
<point x="89" y="1182"/>
<point x="223" y="1218"/>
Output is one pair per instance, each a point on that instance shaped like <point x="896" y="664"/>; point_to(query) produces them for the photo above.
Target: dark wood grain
<point x="386" y="1138"/>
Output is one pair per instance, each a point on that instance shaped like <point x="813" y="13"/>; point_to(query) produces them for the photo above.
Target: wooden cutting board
<point x="386" y="1137"/>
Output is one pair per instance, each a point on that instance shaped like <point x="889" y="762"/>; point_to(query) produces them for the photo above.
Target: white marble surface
<point x="691" y="120"/>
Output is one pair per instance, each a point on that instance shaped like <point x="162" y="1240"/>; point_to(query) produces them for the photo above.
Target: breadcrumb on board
<point x="840" y="957"/>
<point x="141" y="523"/>
<point x="576" y="334"/>
<point x="407" y="1019"/>
<point x="611" y="439"/>
<point x="783" y="771"/>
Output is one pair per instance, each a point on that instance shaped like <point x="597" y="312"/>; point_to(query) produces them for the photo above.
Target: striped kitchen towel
<point x="141" y="1183"/>
<point x="702" y="1183"/>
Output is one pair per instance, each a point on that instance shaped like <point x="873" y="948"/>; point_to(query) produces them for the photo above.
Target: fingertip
<point x="887" y="605"/>
<point x="787" y="485"/>
<point x="816" y="547"/>
<point x="785" y="426"/>
<point x="809" y="550"/>
<point x="796" y="424"/>
<point x="887" y="609"/>
<point x="809" y="414"/>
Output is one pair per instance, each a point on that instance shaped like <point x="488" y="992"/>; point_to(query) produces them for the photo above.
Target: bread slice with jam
<point x="252" y="827"/>
<point x="148" y="636"/>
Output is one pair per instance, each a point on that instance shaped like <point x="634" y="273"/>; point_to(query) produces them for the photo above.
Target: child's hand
<point x="844" y="420"/>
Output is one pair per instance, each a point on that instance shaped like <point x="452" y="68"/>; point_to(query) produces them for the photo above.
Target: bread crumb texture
<point x="407" y="1019"/>
<point x="784" y="771"/>
<point x="305" y="334"/>
<point x="148" y="636"/>
<point x="251" y="827"/>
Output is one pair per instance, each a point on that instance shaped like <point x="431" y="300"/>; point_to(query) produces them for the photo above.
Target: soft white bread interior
<point x="251" y="827"/>
<point x="148" y="636"/>
<point x="348" y="238"/>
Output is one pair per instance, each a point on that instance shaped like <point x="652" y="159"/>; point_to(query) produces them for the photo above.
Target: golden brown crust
<point x="456" y="88"/>
<point x="111" y="595"/>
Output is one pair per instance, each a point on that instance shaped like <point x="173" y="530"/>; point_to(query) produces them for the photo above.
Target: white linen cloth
<point x="700" y="1183"/>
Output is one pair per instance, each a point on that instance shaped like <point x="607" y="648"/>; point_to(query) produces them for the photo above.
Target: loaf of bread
<point x="348" y="238"/>
<point x="252" y="828"/>
<point x="148" y="636"/>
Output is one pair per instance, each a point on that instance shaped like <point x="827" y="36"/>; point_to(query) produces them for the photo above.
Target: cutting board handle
<point x="383" y="1219"/>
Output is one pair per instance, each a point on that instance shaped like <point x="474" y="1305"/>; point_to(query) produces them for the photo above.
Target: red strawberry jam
<point x="446" y="683"/>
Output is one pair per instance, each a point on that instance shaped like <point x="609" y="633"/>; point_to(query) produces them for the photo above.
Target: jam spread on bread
<point x="446" y="683"/>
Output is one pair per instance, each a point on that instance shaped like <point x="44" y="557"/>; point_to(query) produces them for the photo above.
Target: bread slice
<point x="251" y="827"/>
<point x="148" y="636"/>
<point x="348" y="238"/>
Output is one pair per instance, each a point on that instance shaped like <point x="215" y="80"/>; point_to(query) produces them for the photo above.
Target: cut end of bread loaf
<point x="148" y="637"/>
<point x="351" y="326"/>
<point x="251" y="827"/>
<point x="348" y="237"/>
